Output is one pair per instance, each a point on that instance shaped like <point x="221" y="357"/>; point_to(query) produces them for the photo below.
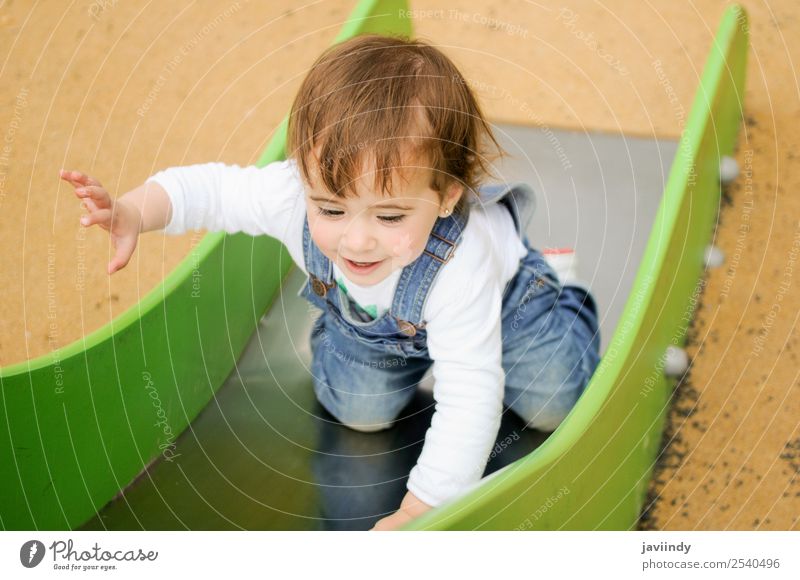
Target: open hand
<point x="120" y="219"/>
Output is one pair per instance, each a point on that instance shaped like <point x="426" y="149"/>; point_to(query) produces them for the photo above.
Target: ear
<point x="454" y="192"/>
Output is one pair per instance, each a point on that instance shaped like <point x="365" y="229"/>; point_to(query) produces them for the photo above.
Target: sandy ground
<point x="121" y="91"/>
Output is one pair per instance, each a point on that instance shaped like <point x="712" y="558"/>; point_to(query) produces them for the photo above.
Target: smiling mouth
<point x="361" y="265"/>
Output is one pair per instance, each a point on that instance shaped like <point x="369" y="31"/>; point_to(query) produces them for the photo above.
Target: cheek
<point x="413" y="238"/>
<point x="406" y="247"/>
<point x="323" y="233"/>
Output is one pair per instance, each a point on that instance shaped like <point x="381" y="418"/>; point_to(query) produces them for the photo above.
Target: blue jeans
<point x="551" y="346"/>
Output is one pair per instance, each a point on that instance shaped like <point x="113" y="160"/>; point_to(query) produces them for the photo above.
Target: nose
<point x="358" y="239"/>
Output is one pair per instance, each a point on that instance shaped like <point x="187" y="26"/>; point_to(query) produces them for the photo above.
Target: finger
<point x="96" y="193"/>
<point x="68" y="175"/>
<point x="101" y="216"/>
<point x="89" y="205"/>
<point x="78" y="178"/>
<point x="125" y="247"/>
<point x="73" y="181"/>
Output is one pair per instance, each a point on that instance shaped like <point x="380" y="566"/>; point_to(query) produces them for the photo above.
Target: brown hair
<point x="369" y="98"/>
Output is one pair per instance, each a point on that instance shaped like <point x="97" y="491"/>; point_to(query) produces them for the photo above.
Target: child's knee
<point x="543" y="411"/>
<point x="367" y="427"/>
<point x="349" y="415"/>
<point x="545" y="420"/>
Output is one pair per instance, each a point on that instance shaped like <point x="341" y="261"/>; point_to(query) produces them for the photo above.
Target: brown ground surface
<point x="121" y="91"/>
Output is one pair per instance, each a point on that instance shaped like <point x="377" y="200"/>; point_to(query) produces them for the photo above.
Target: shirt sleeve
<point x="230" y="198"/>
<point x="464" y="341"/>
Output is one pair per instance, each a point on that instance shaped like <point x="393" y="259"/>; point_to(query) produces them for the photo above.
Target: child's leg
<point x="363" y="383"/>
<point x="550" y="344"/>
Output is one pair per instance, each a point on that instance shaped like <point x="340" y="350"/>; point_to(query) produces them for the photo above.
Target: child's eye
<point x="329" y="212"/>
<point x="391" y="219"/>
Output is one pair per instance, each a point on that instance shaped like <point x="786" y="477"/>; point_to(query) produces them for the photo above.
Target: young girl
<point x="412" y="262"/>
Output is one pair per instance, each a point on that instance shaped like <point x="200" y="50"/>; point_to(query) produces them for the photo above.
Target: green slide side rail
<point x="78" y="425"/>
<point x="593" y="471"/>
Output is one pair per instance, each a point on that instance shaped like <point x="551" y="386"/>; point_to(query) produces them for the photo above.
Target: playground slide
<point x="80" y="424"/>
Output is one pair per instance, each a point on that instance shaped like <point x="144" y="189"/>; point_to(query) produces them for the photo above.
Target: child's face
<point x="382" y="233"/>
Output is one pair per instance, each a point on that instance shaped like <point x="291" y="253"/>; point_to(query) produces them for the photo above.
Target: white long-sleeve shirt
<point x="462" y="312"/>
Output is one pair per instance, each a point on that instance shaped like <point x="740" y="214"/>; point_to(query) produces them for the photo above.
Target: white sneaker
<point x="564" y="262"/>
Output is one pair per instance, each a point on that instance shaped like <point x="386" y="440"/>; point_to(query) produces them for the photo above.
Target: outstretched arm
<point x="211" y="196"/>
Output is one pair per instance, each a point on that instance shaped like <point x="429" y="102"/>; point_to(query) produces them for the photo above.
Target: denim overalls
<point x="366" y="371"/>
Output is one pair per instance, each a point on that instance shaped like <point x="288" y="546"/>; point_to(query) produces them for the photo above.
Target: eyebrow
<point x="393" y="206"/>
<point x="377" y="206"/>
<point x="324" y="199"/>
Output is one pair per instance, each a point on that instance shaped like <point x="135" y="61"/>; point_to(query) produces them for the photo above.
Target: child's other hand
<point x="392" y="522"/>
<point x="411" y="507"/>
<point x="120" y="219"/>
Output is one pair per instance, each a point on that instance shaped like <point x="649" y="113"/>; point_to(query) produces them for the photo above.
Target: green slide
<point x="126" y="407"/>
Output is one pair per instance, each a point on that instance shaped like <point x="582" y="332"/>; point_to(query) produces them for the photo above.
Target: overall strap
<point x="418" y="277"/>
<point x="318" y="266"/>
<point x="519" y="198"/>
